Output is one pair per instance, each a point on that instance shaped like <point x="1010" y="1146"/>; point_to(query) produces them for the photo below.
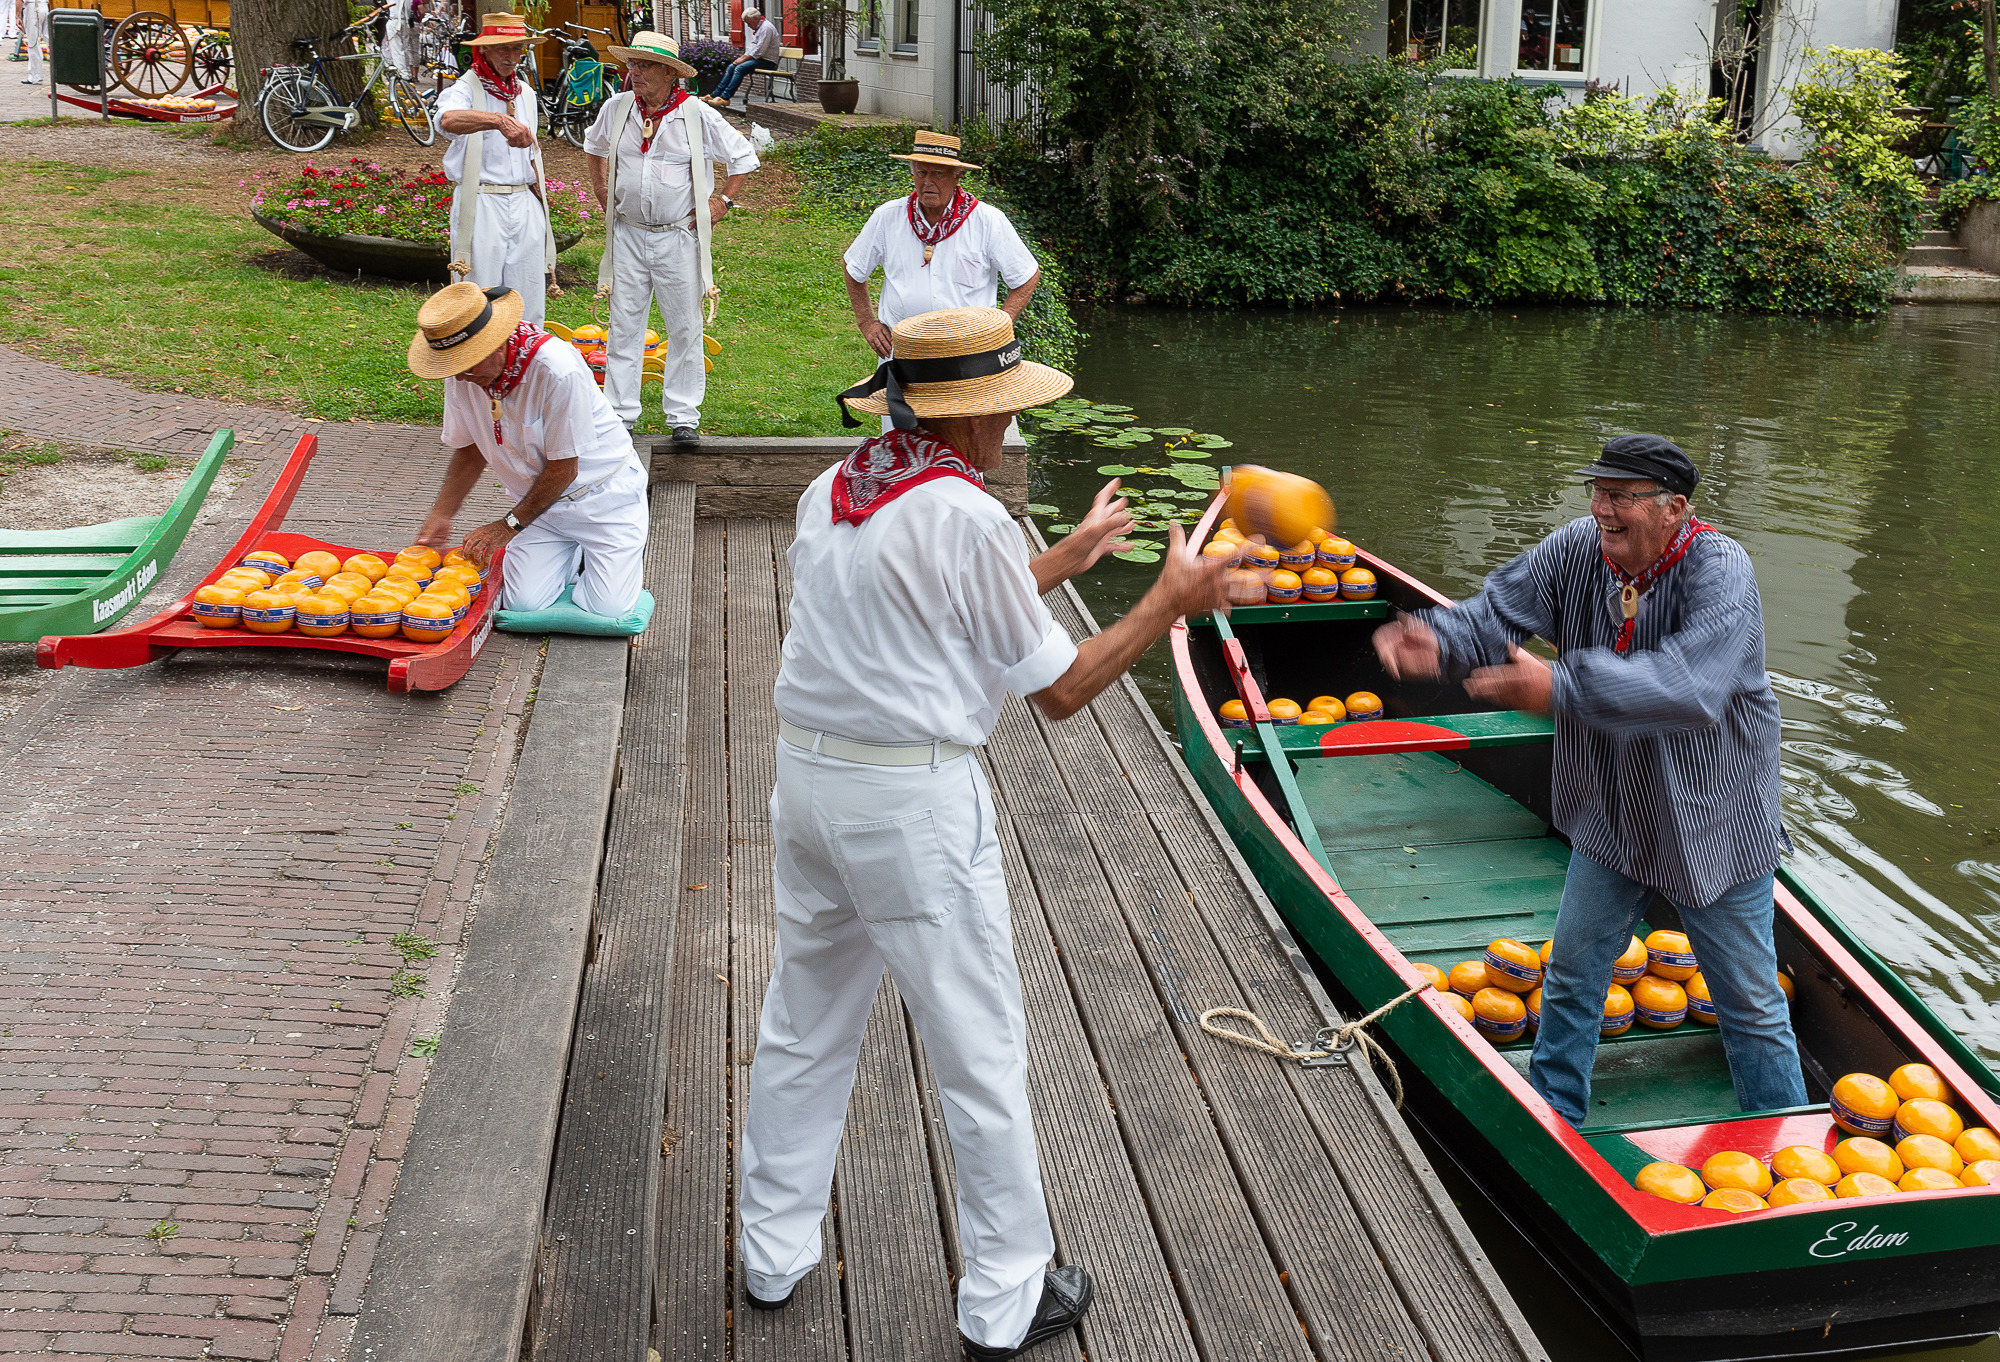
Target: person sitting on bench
<point x="761" y="45"/>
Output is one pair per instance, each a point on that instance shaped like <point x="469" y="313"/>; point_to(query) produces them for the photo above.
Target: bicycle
<point x="301" y="113"/>
<point x="582" y="83"/>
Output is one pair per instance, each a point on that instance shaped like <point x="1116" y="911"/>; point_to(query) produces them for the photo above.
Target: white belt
<point x="868" y="753"/>
<point x="506" y="189"/>
<point x="579" y="493"/>
<point x="680" y="226"/>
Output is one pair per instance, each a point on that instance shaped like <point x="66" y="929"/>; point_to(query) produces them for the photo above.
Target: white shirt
<point x="657" y="187"/>
<point x="963" y="269"/>
<point x="558" y="412"/>
<point x="501" y="164"/>
<point x="765" y="42"/>
<point x="915" y="624"/>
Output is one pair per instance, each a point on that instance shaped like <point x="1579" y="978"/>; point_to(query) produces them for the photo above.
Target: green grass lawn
<point x="141" y="277"/>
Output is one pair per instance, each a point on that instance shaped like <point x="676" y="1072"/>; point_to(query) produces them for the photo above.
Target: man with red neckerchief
<point x="1665" y="770"/>
<point x="655" y="185"/>
<point x="915" y="611"/>
<point x="937" y="248"/>
<point x="499" y="224"/>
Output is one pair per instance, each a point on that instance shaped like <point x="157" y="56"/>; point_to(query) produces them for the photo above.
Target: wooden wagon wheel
<point x="214" y="62"/>
<point x="150" y="55"/>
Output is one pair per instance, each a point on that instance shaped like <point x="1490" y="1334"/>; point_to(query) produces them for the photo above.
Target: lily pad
<point x="1041" y="508"/>
<point x="1061" y="529"/>
<point x="1107" y="406"/>
<point x="1137" y="556"/>
<point x="1070" y="402"/>
<point x="1163" y="430"/>
<point x="1188" y="451"/>
<point x="1101" y="414"/>
<point x="1040" y="413"/>
<point x="1216" y="442"/>
<point x="1116" y="470"/>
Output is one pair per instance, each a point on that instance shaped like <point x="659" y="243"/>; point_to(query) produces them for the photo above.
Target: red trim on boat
<point x="1373" y="736"/>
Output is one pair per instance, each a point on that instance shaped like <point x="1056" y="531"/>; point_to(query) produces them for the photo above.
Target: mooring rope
<point x="1330" y="1040"/>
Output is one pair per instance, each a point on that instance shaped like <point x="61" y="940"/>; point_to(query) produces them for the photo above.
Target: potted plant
<point x="832" y="20"/>
<point x="710" y="57"/>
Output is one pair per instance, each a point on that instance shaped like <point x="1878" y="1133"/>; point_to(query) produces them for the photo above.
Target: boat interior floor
<point x="1443" y="863"/>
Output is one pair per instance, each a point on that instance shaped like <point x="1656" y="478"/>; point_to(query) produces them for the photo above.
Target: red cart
<point x="412" y="666"/>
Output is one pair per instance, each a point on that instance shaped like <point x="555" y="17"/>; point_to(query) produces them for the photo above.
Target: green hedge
<point x="1392" y="181"/>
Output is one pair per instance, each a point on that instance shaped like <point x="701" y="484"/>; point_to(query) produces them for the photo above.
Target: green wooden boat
<point x="81" y="580"/>
<point x="1422" y="837"/>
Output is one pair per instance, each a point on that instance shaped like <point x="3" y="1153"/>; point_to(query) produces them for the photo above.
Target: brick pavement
<point x="205" y="865"/>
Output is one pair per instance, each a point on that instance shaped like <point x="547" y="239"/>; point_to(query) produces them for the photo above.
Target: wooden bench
<point x="788" y="71"/>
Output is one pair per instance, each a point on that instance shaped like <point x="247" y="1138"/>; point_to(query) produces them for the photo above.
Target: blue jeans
<point x="1739" y="962"/>
<point x="738" y="73"/>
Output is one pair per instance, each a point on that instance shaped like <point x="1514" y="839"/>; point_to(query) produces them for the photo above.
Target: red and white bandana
<point x="507" y="90"/>
<point x="649" y="119"/>
<point x="1631" y="587"/>
<point x="521" y="348"/>
<point x="932" y="234"/>
<point x="882" y="469"/>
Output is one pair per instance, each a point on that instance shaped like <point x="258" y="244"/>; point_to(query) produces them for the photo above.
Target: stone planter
<point x="389" y="257"/>
<point x="840" y="96"/>
<point x="1979" y="233"/>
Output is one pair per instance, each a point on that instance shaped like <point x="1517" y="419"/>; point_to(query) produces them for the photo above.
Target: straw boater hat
<point x="495" y="29"/>
<point x="936" y="149"/>
<point x="963" y="361"/>
<point x="653" y="47"/>
<point x="460" y="325"/>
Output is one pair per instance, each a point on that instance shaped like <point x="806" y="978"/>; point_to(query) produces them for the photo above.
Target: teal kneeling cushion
<point x="565" y="618"/>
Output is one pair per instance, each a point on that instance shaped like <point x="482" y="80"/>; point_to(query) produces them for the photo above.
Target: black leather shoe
<point x="756" y="1304"/>
<point x="687" y="437"/>
<point x="1066" y="1294"/>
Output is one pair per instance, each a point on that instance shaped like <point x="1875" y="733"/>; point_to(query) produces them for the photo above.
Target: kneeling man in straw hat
<point x="500" y="236"/>
<point x="660" y="207"/>
<point x="531" y="411"/>
<point x="915" y="611"/>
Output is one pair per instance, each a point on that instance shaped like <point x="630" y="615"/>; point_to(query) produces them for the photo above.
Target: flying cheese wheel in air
<point x="1671" y="1182"/>
<point x="1283" y="507"/>
<point x="1863" y="1104"/>
<point x="1730" y="1168"/>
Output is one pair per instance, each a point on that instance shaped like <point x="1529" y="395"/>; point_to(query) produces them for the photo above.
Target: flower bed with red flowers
<point x="368" y="199"/>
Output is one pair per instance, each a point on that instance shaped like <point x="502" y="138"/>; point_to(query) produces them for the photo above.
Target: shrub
<point x="1846" y="102"/>
<point x="710" y="57"/>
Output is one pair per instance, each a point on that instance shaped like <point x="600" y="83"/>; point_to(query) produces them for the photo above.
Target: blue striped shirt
<point x="1666" y="759"/>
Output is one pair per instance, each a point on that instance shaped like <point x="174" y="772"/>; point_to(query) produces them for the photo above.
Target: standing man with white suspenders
<point x="656" y="189"/>
<point x="500" y="235"/>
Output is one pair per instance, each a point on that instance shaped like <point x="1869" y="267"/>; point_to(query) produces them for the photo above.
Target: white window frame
<point x="1587" y="67"/>
<point x="907" y="16"/>
<point x="1479" y="26"/>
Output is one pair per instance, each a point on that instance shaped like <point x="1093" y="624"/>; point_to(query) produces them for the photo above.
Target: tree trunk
<point x="261" y="33"/>
<point x="1992" y="55"/>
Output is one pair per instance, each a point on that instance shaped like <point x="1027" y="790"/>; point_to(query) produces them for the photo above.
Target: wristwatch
<point x="727" y="201"/>
<point x="513" y="522"/>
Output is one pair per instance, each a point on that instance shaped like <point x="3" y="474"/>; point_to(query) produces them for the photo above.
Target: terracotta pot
<point x="389" y="257"/>
<point x="839" y="96"/>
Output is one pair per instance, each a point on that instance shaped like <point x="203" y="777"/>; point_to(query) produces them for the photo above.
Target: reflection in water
<point x="1857" y="461"/>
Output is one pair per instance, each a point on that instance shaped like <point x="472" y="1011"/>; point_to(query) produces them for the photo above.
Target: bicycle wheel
<point x="283" y="107"/>
<point x="408" y="108"/>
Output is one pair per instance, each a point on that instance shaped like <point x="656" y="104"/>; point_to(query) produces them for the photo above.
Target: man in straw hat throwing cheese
<point x="500" y="236"/>
<point x="531" y="411"/>
<point x="915" y="611"/>
<point x="939" y="247"/>
<point x="660" y="207"/>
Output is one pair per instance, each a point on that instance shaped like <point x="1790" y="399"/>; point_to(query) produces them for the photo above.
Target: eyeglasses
<point x="1624" y="501"/>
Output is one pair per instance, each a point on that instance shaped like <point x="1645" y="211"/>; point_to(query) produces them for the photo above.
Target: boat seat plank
<point x="1407" y="799"/>
<point x="23" y="600"/>
<point x="751" y="620"/>
<point x="120" y="536"/>
<point x="81" y="565"/>
<point x="1436" y="864"/>
<point x="597" y="1287"/>
<point x="692" y="1294"/>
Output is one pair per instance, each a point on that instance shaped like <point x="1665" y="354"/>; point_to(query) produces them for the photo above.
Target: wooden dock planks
<point x="1227" y="1204"/>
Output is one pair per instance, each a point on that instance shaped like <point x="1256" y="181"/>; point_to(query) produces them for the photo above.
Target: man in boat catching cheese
<point x="1666" y="753"/>
<point x="531" y="411"/>
<point x="915" y="611"/>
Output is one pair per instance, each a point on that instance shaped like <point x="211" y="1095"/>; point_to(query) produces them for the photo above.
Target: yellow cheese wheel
<point x="1803" y="1161"/>
<point x="1671" y="1182"/>
<point x="218" y="606"/>
<point x="1799" y="1191"/>
<point x="1865" y="1154"/>
<point x="1731" y="1168"/>
<point x="1863" y="1184"/>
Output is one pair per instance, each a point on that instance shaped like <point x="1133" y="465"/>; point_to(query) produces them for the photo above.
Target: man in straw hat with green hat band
<point x="915" y="611"/>
<point x="939" y="247"/>
<point x="500" y="234"/>
<point x="660" y="209"/>
<point x="531" y="412"/>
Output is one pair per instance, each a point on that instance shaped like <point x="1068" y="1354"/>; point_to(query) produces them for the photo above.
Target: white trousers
<point x="597" y="542"/>
<point x="648" y="266"/>
<point x="895" y="867"/>
<point x="34" y="32"/>
<point x="507" y="250"/>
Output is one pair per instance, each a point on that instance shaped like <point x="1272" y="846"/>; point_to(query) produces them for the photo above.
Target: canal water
<point x="1857" y="461"/>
